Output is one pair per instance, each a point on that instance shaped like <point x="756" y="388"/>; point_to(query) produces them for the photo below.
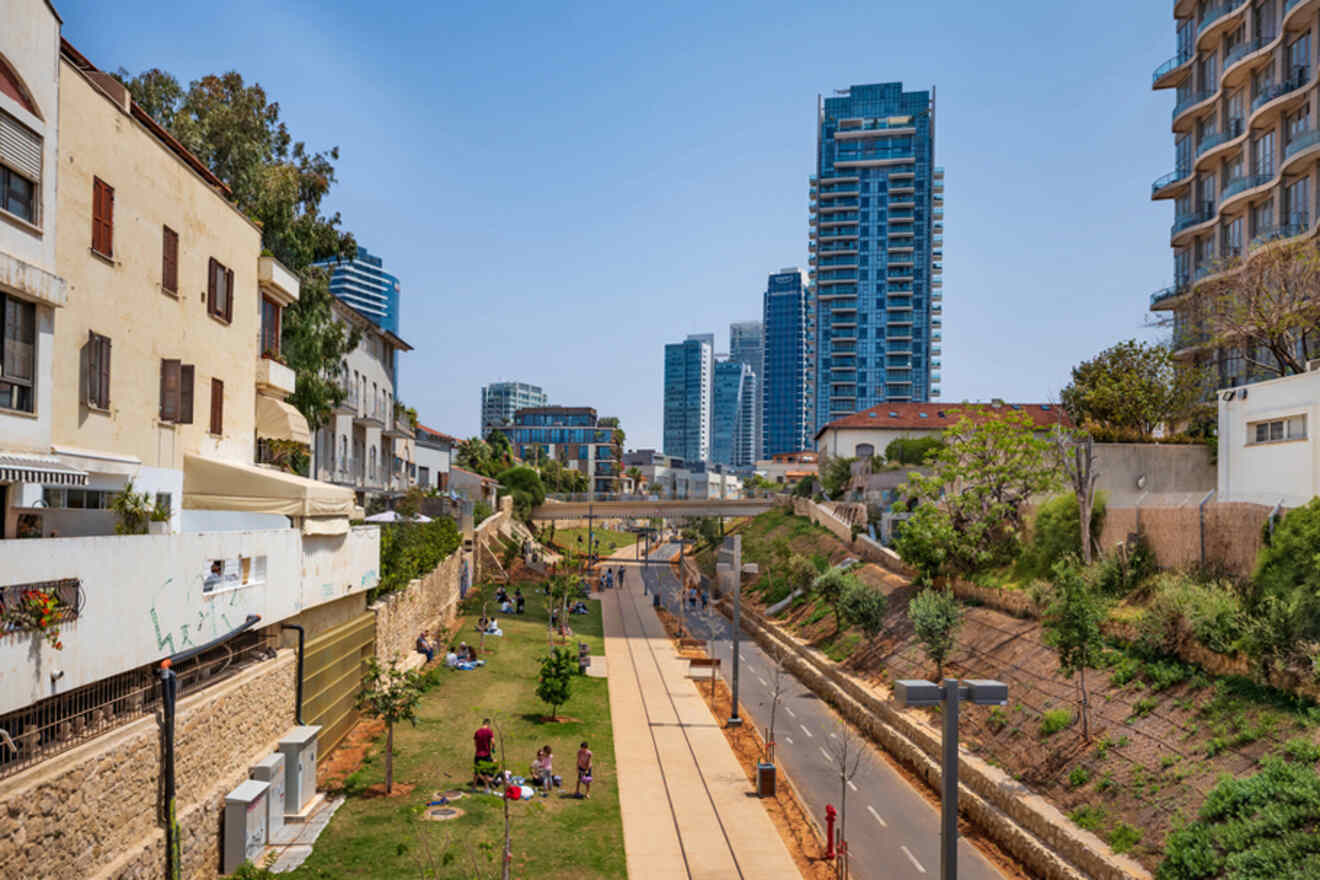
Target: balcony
<point x="372" y="416"/>
<point x="1191" y="100"/>
<point x="1160" y="298"/>
<point x="1241" y="184"/>
<point x="1301" y="141"/>
<point x="1230" y="132"/>
<point x="1161" y="77"/>
<point x="274" y="379"/>
<point x="1215" y="14"/>
<point x="349" y="405"/>
<point x="1298" y="224"/>
<point x="1192" y="218"/>
<point x="1301" y="76"/>
<point x="277" y="281"/>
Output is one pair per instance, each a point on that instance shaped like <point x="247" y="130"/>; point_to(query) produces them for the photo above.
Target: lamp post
<point x="950" y="694"/>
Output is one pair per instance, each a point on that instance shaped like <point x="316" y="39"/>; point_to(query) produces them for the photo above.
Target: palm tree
<point x="635" y="474"/>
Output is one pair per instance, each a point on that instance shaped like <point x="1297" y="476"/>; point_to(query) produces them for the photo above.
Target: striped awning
<point x="45" y="469"/>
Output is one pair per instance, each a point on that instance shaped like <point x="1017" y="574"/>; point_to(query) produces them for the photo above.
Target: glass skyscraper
<point x="689" y="368"/>
<point x="747" y="346"/>
<point x="363" y="284"/>
<point x="500" y="400"/>
<point x="877" y="212"/>
<point x="734" y="421"/>
<point x="786" y="392"/>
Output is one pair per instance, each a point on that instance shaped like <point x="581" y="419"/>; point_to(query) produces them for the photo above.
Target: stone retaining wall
<point x="1022" y="822"/>
<point x="428" y="603"/>
<point x="91" y="812"/>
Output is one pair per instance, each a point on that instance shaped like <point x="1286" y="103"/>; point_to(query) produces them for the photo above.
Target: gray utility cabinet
<point x="245" y="823"/>
<point x="271" y="769"/>
<point x="299" y="750"/>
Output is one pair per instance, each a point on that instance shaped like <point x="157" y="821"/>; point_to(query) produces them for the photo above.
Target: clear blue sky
<point x="563" y="188"/>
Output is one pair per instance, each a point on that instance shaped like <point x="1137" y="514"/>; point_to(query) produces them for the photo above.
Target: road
<point x="893" y="831"/>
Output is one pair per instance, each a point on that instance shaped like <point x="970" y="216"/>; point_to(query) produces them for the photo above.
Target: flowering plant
<point x="38" y="610"/>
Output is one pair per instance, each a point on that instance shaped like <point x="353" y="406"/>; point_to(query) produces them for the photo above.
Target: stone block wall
<point x="92" y="812"/>
<point x="429" y="603"/>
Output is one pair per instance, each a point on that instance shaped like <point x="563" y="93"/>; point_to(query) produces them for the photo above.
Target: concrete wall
<point x="91" y="812"/>
<point x="1285" y="471"/>
<point x="1161" y="469"/>
<point x="147" y="596"/>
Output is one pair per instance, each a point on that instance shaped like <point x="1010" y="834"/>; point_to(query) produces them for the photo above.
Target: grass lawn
<point x="556" y="836"/>
<point x="568" y="539"/>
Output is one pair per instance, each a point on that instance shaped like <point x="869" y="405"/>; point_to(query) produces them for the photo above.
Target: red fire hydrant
<point x="830" y="813"/>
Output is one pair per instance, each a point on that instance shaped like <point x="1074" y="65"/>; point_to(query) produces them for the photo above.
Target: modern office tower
<point x="368" y="288"/>
<point x="573" y="436"/>
<point x="500" y="400"/>
<point x="1246" y="154"/>
<point x="733" y="426"/>
<point x="877" y="212"/>
<point x="747" y="345"/>
<point x="689" y="367"/>
<point x="786" y="391"/>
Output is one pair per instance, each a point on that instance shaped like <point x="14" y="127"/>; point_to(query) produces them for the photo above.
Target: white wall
<point x="436" y="461"/>
<point x="146" y="596"/>
<point x="843" y="442"/>
<point x="1269" y="473"/>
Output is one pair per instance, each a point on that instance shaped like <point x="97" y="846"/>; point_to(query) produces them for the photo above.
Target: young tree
<point x="777" y="685"/>
<point x="555" y="683"/>
<point x="836" y="475"/>
<point x="391" y="694"/>
<point x="846" y="753"/>
<point x="924" y="541"/>
<point x="936" y="617"/>
<point x="799" y="571"/>
<point x="832" y="585"/>
<point x="991" y="465"/>
<point x="865" y="607"/>
<point x="1072" y="627"/>
<point x="1076" y="455"/>
<point x="1131" y="387"/>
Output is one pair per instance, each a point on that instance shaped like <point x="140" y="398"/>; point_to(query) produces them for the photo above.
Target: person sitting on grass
<point x="451" y="658"/>
<point x="426" y="647"/>
<point x="583" y="772"/>
<point x="519" y="600"/>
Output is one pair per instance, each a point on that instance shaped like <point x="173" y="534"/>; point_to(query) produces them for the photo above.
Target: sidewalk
<point x="686" y="803"/>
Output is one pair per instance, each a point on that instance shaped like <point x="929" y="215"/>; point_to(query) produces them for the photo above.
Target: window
<point x="1233" y="238"/>
<point x="169" y="260"/>
<point x="164" y="502"/>
<point x="220" y="290"/>
<point x="1299" y="59"/>
<point x="96" y="371"/>
<point x="1265" y="155"/>
<point x="217" y="406"/>
<point x="1277" y="430"/>
<point x="18" y="335"/>
<point x="1298" y="207"/>
<point x="18" y="195"/>
<point x="1299" y="123"/>
<point x="176" y="392"/>
<point x="371" y="456"/>
<point x="103" y="217"/>
<point x="270" y="327"/>
<point x="1262" y="217"/>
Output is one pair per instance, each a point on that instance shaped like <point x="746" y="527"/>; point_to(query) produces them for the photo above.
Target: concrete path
<point x="892" y="830"/>
<point x="688" y="813"/>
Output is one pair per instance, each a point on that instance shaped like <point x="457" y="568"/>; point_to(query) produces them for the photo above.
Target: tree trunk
<point x="389" y="757"/>
<point x="507" y="868"/>
<point x="1086" y="725"/>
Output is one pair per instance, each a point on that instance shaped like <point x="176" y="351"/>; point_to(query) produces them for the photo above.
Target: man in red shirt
<point x="483" y="764"/>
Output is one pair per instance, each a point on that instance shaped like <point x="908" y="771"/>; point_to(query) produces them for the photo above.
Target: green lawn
<point x="552" y="837"/>
<point x="568" y="539"/>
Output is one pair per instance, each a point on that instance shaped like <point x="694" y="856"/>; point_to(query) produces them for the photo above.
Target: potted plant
<point x="160" y="520"/>
<point x="36" y="611"/>
<point x="133" y="510"/>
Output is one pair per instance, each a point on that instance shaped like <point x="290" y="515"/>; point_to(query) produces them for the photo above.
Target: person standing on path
<point x="483" y="762"/>
<point x="583" y="771"/>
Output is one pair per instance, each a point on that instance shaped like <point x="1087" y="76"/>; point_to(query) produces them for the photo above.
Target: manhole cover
<point x="452" y="795"/>
<point x="440" y="814"/>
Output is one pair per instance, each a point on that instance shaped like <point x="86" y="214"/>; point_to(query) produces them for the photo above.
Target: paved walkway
<point x="688" y="813"/>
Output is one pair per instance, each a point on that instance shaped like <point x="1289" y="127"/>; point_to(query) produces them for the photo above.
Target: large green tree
<point x="314" y="344"/>
<point x="1132" y="387"/>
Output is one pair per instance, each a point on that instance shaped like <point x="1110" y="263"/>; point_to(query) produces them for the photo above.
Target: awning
<point x="325" y="525"/>
<point x="209" y="484"/>
<point x="45" y="469"/>
<point x="277" y="420"/>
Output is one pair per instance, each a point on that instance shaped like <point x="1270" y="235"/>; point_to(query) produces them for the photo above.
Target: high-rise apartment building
<point x="1246" y="154"/>
<point x="363" y="284"/>
<point x="747" y="346"/>
<point x="786" y="390"/>
<point x="733" y="426"/>
<point x="575" y="437"/>
<point x="500" y="400"/>
<point x="689" y="368"/>
<point x="877" y="212"/>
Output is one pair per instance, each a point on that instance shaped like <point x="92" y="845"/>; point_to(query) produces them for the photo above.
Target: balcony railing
<point x="1189" y="100"/>
<point x="1299" y="78"/>
<point x="1301" y="141"/>
<point x="1245" y="48"/>
<point x="1168" y="293"/>
<point x="1296" y="225"/>
<point x="1172" y="64"/>
<point x="1171" y="177"/>
<point x="1230" y="131"/>
<point x="1244" y="183"/>
<point x="1214" y="13"/>
<point x="1181" y="221"/>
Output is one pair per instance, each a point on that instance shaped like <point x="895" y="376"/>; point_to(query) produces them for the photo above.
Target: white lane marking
<point x="742" y="656"/>
<point x="883" y="823"/>
<point x="791" y="713"/>
<point x="788" y="739"/>
<point x="833" y="735"/>
<point x="826" y="754"/>
<point x="913" y="859"/>
<point x="804" y="730"/>
<point x="850" y="785"/>
<point x="765" y="683"/>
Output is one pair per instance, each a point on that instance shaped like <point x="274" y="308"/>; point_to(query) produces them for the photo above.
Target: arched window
<point x="864" y="450"/>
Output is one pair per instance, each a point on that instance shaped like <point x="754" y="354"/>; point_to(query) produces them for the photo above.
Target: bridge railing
<point x="580" y="497"/>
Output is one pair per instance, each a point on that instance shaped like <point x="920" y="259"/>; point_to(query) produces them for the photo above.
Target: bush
<point x="1121" y="572"/>
<point x="481" y="511"/>
<point x="1078" y="776"/>
<point x="1058" y="533"/>
<point x="1124" y="837"/>
<point x="926" y="542"/>
<point x="1287" y="582"/>
<point x="1181" y="608"/>
<point x="410" y="550"/>
<point x="1054" y="720"/>
<point x="864" y="607"/>
<point x="912" y="450"/>
<point x="1301" y="750"/>
<point x="525" y="485"/>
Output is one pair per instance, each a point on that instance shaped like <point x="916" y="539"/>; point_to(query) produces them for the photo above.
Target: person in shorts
<point x="583" y="771"/>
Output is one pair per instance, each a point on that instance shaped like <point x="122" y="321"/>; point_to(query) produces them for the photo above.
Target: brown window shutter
<point x="170" y="374"/>
<point x="229" y="297"/>
<point x="217" y="406"/>
<point x="104" y="376"/>
<point x="169" y="264"/>
<point x="109" y="222"/>
<point x="89" y="369"/>
<point x="97" y="201"/>
<point x="103" y="217"/>
<point x="210" y="285"/>
<point x="186" y="394"/>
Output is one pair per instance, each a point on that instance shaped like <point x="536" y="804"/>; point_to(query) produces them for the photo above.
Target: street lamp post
<point x="950" y="694"/>
<point x="736" y="548"/>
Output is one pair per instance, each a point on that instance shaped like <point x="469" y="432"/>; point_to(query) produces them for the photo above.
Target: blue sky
<point x="563" y="188"/>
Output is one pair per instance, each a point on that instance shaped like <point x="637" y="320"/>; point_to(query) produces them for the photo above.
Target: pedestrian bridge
<point x="645" y="508"/>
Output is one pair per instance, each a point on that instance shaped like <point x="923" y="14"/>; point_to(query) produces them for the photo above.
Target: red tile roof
<point x="438" y="434"/>
<point x="938" y="416"/>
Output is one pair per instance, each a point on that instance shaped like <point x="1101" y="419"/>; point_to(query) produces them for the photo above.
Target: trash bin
<point x="765" y="779"/>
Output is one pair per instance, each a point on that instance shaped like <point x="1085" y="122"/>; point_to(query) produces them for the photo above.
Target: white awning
<point x="45" y="469"/>
<point x="210" y="484"/>
<point x="277" y="420"/>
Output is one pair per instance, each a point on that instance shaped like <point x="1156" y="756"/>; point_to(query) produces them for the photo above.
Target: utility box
<point x="270" y="769"/>
<point x="299" y="750"/>
<point x="245" y="823"/>
<point x="765" y="779"/>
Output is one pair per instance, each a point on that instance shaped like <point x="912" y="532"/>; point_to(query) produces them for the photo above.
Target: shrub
<point x="481" y="511"/>
<point x="1087" y="817"/>
<point x="1302" y="750"/>
<point x="912" y="450"/>
<point x="1181" y="608"/>
<point x="410" y="550"/>
<point x="1058" y="533"/>
<point x="936" y="617"/>
<point x="1287" y="583"/>
<point x="1054" y="720"/>
<point x="865" y="607"/>
<point x="1123" y="837"/>
<point x="1119" y="573"/>
<point x="524" y="484"/>
<point x="926" y="541"/>
<point x="1078" y="776"/>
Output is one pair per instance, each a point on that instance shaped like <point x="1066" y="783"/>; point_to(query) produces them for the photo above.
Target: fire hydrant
<point x="830" y="813"/>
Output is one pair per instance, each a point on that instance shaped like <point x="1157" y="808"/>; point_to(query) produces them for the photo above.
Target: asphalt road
<point x="892" y="830"/>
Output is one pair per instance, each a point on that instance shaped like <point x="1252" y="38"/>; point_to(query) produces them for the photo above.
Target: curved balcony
<point x="1240" y="61"/>
<point x="1191" y="102"/>
<point x="1218" y="18"/>
<point x="1242" y="186"/>
<point x="1303" y="142"/>
<point x="1294" y="8"/>
<point x="1167" y="185"/>
<point x="1182" y="223"/>
<point x="1171" y="72"/>
<point x="1278" y="94"/>
<point x="1299" y="224"/>
<point x="1164" y="299"/>
<point x="1220" y="142"/>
